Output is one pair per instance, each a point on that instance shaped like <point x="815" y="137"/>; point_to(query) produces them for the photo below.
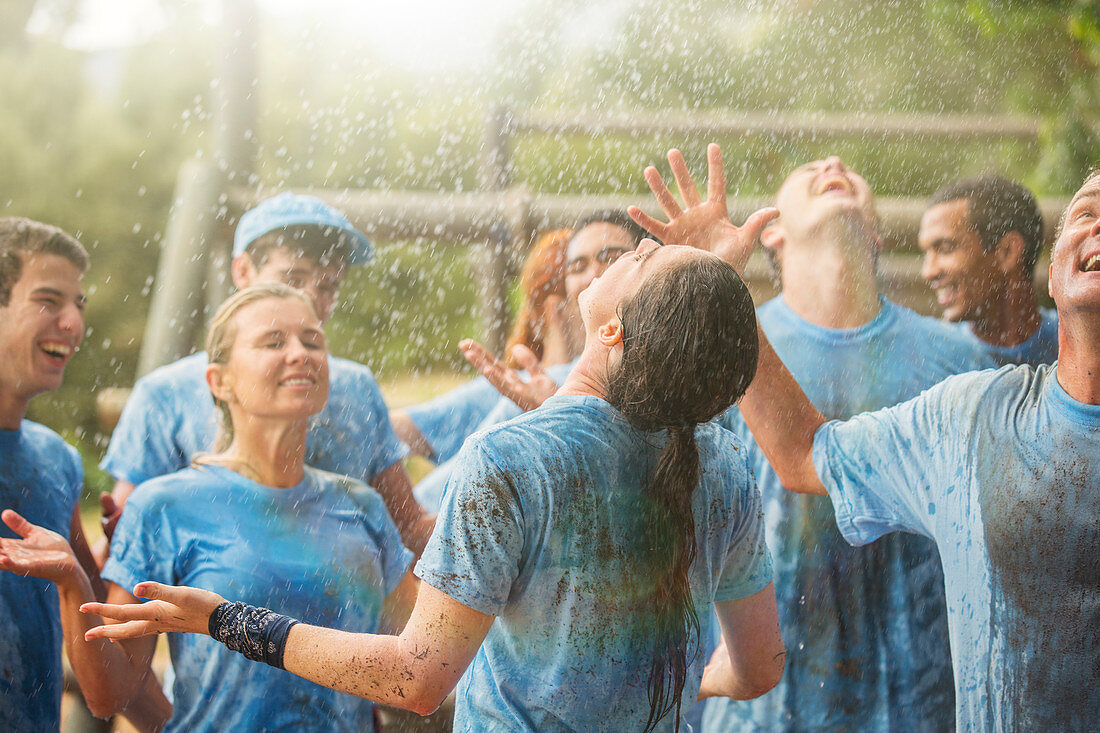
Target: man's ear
<point x="1050" y="281"/>
<point x="772" y="236"/>
<point x="1010" y="253"/>
<point x="243" y="271"/>
<point x="611" y="334"/>
<point x="215" y="379"/>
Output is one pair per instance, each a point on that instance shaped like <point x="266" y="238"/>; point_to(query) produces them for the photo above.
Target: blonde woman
<point x="248" y="521"/>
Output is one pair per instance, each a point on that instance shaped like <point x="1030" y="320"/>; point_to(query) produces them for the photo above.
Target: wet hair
<point x="323" y="244"/>
<point x="543" y="277"/>
<point x="1092" y="175"/>
<point x="615" y="218"/>
<point x="689" y="351"/>
<point x="19" y="237"/>
<point x="996" y="207"/>
<point x="222" y="334"/>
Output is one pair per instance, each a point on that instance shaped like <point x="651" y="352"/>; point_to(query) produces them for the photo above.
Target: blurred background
<point x="102" y="101"/>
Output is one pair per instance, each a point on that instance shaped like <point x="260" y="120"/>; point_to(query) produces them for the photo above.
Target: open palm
<point x="40" y="553"/>
<point x="702" y="224"/>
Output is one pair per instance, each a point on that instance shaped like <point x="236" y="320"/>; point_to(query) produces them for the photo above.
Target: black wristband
<point x="257" y="633"/>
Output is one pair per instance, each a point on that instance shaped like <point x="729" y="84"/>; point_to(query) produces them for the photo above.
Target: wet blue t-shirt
<point x="41" y="477"/>
<point x="1002" y="470"/>
<point x="446" y="421"/>
<point x="170" y="417"/>
<point x="1041" y="348"/>
<point x="429" y="490"/>
<point x="325" y="552"/>
<point x="865" y="628"/>
<point x="542" y="527"/>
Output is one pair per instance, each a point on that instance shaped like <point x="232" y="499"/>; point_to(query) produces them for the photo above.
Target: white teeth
<point x="56" y="349"/>
<point x="298" y="382"/>
<point x="1092" y="264"/>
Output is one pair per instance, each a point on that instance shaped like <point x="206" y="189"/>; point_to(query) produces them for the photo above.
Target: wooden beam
<point x="784" y="125"/>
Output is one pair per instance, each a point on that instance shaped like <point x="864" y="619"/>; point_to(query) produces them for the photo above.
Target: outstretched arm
<point x="110" y="676"/>
<point x="415" y="670"/>
<point x="414" y="524"/>
<point x="781" y="418"/>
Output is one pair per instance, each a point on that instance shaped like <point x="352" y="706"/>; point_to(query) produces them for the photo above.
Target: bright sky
<point x="422" y="35"/>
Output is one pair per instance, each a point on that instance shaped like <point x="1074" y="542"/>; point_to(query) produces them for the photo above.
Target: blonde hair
<point x="222" y="334"/>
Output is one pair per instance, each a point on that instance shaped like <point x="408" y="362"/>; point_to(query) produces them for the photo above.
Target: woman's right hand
<point x="170" y="608"/>
<point x="41" y="553"/>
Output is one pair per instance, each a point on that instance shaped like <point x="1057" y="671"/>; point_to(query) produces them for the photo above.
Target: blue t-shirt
<point x="446" y="421"/>
<point x="325" y="552"/>
<point x="1002" y="470"/>
<point x="1041" y="348"/>
<point x="542" y="526"/>
<point x="866" y="628"/>
<point x="41" y="477"/>
<point x="170" y="417"/>
<point x="429" y="490"/>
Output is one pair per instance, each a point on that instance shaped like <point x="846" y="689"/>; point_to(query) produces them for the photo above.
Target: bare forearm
<point x="150" y="710"/>
<point x="385" y="669"/>
<point x="783" y="422"/>
<point x="109" y="679"/>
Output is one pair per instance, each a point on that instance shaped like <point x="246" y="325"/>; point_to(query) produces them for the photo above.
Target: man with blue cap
<point x="299" y="241"/>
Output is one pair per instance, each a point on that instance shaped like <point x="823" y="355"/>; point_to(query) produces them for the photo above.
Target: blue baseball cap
<point x="289" y="210"/>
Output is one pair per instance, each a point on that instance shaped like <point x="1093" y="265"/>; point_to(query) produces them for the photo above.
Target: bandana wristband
<point x="257" y="633"/>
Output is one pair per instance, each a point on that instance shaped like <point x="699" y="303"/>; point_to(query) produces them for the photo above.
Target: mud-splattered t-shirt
<point x="1002" y="470"/>
<point x="1040" y="348"/>
<point x="866" y="628"/>
<point x="542" y="526"/>
<point x="324" y="552"/>
<point x="170" y="417"/>
<point x="429" y="491"/>
<point x="41" y="478"/>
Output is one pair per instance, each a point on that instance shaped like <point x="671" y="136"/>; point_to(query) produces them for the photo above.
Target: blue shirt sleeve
<point x="446" y="421"/>
<point x="888" y="470"/>
<point x="475" y="552"/>
<point x="396" y="559"/>
<point x="748" y="565"/>
<point x="144" y="546"/>
<point x="353" y="435"/>
<point x="141" y="445"/>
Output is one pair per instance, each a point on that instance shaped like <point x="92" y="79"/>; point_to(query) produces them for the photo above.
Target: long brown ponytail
<point x="689" y="352"/>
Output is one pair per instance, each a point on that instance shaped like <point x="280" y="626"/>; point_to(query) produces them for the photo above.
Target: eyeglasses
<point x="603" y="258"/>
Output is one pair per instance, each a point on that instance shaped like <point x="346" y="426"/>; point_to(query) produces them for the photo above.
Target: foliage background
<point x="92" y="141"/>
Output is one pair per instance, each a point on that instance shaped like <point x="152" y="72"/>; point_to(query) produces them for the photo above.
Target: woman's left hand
<point x="170" y="608"/>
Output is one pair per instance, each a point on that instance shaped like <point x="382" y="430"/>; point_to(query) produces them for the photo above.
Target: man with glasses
<point x="598" y="240"/>
<point x="299" y="241"/>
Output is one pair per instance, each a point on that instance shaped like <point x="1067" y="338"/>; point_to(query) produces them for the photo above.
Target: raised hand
<point x="40" y="553"/>
<point x="528" y="395"/>
<point x="702" y="224"/>
<point x="171" y="608"/>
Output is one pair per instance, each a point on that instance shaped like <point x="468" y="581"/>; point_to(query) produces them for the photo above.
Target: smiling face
<point x="820" y="191"/>
<point x="41" y="326"/>
<point x="1075" y="260"/>
<point x="967" y="279"/>
<point x="277" y="364"/>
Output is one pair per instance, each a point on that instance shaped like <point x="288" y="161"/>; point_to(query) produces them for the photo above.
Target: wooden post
<point x="237" y="143"/>
<point x="176" y="307"/>
<point x="491" y="260"/>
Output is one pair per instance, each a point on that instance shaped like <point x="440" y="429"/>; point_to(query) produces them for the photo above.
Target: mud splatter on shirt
<point x="866" y="627"/>
<point x="541" y="526"/>
<point x="1002" y="470"/>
